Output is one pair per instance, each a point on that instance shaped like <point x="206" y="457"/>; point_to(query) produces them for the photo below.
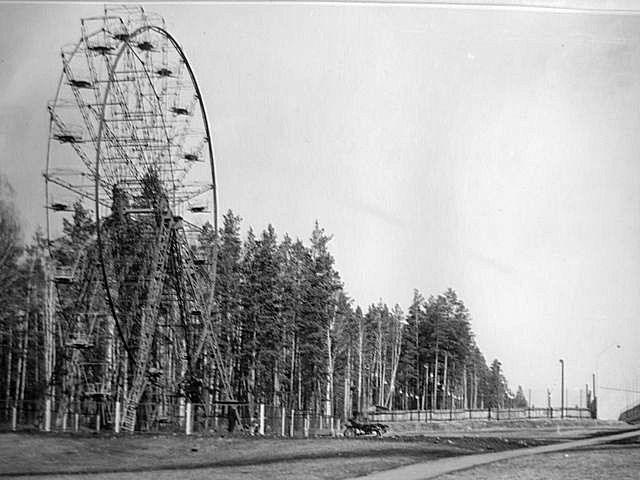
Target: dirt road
<point x="432" y="469"/>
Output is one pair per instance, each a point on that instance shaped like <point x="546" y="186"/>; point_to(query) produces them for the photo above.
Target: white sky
<point x="491" y="151"/>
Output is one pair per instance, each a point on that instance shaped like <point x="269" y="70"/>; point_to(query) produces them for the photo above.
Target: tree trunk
<point x="347" y="385"/>
<point x="7" y="392"/>
<point x="329" y="390"/>
<point x="417" y="391"/>
<point x="251" y="382"/>
<point x="276" y="384"/>
<point x="299" y="383"/>
<point x="444" y="382"/>
<point x="23" y="362"/>
<point x="360" y="355"/>
<point x="395" y="360"/>
<point x="380" y="363"/>
<point x="434" y="394"/>
<point x="464" y="388"/>
<point x="292" y="372"/>
<point x="425" y="397"/>
<point x="475" y="389"/>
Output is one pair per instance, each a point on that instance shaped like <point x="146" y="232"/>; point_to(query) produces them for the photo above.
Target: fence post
<point x="291" y="425"/>
<point x="116" y="426"/>
<point x="333" y="429"/>
<point x="282" y="423"/>
<point x="64" y="421"/>
<point x="14" y="418"/>
<point x="261" y="428"/>
<point x="97" y="422"/>
<point x="76" y="422"/>
<point x="187" y="419"/>
<point x="306" y="425"/>
<point x="47" y="415"/>
<point x="181" y="411"/>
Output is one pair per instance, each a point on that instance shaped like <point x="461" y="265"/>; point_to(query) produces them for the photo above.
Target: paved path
<point x="424" y="470"/>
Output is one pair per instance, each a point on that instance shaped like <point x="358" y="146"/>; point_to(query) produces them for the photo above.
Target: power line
<point x="620" y="389"/>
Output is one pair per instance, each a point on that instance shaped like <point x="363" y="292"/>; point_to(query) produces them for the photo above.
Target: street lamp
<point x="595" y="373"/>
<point x="562" y="389"/>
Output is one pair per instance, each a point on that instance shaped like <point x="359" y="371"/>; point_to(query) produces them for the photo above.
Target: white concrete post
<point x="187" y="420"/>
<point x="47" y="415"/>
<point x="284" y="420"/>
<point x="333" y="430"/>
<point x="181" y="411"/>
<point x="291" y="425"/>
<point x="261" y="427"/>
<point x="76" y="422"/>
<point x="97" y="422"/>
<point x="64" y="422"/>
<point x="14" y="418"/>
<point x="307" y="421"/>
<point x="116" y="426"/>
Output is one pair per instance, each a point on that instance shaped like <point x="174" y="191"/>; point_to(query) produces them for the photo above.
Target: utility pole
<point x="595" y="398"/>
<point x="562" y="389"/>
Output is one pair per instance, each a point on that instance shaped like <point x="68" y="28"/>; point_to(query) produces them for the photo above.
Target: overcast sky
<point x="492" y="151"/>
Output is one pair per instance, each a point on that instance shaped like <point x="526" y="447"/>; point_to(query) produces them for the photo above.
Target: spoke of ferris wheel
<point x="191" y="227"/>
<point x="186" y="196"/>
<point x="181" y="129"/>
<point x="155" y="101"/>
<point x="80" y="102"/>
<point x="164" y="67"/>
<point x="109" y="135"/>
<point x="194" y="156"/>
<point x="90" y="64"/>
<point x="76" y="146"/>
<point x="65" y="130"/>
<point x="120" y="103"/>
<point x="186" y="275"/>
<point x="119" y="94"/>
<point x="88" y="195"/>
<point x="139" y="94"/>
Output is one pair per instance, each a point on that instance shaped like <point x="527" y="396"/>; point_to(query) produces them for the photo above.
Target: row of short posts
<point x="46" y="426"/>
<point x="188" y="422"/>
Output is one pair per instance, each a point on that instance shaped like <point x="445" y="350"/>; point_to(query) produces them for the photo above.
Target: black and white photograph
<point x="318" y="240"/>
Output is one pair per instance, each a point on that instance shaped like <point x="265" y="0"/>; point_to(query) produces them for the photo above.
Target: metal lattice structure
<point x="130" y="141"/>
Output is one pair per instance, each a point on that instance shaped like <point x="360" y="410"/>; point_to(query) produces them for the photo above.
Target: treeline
<point x="288" y="333"/>
<point x="292" y="336"/>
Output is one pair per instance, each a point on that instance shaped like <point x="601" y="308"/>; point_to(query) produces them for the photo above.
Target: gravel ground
<point x="620" y="462"/>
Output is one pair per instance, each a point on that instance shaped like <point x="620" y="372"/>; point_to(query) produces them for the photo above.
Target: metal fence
<point x="484" y="414"/>
<point x="175" y="414"/>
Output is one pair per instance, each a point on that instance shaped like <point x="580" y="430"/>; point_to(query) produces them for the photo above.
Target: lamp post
<point x="562" y="388"/>
<point x="596" y="379"/>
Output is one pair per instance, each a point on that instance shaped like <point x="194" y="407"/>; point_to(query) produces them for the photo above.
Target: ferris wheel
<point x="130" y="142"/>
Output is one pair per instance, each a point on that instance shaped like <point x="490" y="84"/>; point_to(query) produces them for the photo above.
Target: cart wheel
<point x="349" y="432"/>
